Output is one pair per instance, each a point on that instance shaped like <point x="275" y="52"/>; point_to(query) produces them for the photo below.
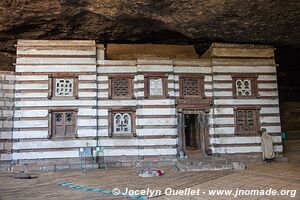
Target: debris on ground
<point x="151" y="173"/>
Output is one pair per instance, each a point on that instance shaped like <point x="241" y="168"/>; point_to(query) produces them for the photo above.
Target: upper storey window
<point x="121" y="87"/>
<point x="245" y="86"/>
<point x="191" y="86"/>
<point x="156" y="85"/>
<point x="63" y="86"/>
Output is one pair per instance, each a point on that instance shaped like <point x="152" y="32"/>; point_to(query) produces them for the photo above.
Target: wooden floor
<point x="279" y="175"/>
<point x="46" y="185"/>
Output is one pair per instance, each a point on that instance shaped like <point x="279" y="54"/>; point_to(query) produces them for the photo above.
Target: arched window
<point x="122" y="123"/>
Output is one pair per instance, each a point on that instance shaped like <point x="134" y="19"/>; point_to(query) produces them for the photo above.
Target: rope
<point x="108" y="192"/>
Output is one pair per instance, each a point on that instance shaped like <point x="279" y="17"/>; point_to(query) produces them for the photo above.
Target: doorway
<point x="193" y="133"/>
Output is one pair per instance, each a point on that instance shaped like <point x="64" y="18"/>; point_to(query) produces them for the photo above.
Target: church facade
<point x="141" y="102"/>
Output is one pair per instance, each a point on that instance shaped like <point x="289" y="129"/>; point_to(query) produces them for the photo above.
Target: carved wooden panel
<point x="246" y="121"/>
<point x="63" y="124"/>
<point x="121" y="87"/>
<point x="194" y="103"/>
<point x="191" y="87"/>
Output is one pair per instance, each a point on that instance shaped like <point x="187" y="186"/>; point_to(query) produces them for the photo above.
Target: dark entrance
<point x="191" y="132"/>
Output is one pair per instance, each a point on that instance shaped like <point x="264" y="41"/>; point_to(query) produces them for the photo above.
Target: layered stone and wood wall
<point x="37" y="62"/>
<point x="7" y="85"/>
<point x="229" y="60"/>
<point x="157" y="133"/>
<point x="156" y="125"/>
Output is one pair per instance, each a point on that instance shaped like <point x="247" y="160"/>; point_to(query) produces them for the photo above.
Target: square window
<point x="63" y="124"/>
<point x="156" y="87"/>
<point x="191" y="86"/>
<point x="63" y="86"/>
<point x="121" y="86"/>
<point x="245" y="86"/>
<point x="247" y="121"/>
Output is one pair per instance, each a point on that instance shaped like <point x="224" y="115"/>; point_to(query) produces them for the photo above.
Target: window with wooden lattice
<point x="63" y="124"/>
<point x="121" y="87"/>
<point x="244" y="86"/>
<point x="191" y="86"/>
<point x="63" y="86"/>
<point x="247" y="120"/>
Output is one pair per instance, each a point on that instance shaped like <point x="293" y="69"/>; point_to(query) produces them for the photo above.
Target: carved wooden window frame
<point x="199" y="78"/>
<point x="51" y="86"/>
<point x="165" y="89"/>
<point x="111" y="113"/>
<point x="254" y="89"/>
<point x="256" y="122"/>
<point x="51" y="120"/>
<point x="130" y="78"/>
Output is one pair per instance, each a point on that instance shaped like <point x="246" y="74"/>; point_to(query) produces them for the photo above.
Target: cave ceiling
<point x="196" y="22"/>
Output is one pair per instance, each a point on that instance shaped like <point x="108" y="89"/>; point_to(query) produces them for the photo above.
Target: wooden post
<point x="180" y="120"/>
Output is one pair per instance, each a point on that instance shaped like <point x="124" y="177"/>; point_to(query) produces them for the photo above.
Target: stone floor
<point x="258" y="176"/>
